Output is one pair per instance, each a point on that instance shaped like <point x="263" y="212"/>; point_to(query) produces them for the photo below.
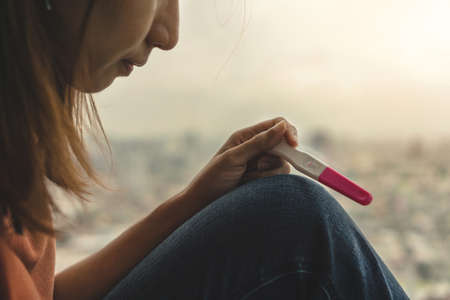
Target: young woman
<point x="236" y="231"/>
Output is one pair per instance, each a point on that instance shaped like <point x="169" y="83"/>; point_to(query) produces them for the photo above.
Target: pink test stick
<point x="317" y="170"/>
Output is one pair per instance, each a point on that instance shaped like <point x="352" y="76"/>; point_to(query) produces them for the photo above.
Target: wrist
<point x="176" y="210"/>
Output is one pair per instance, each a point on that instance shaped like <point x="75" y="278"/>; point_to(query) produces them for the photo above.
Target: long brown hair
<point x="41" y="119"/>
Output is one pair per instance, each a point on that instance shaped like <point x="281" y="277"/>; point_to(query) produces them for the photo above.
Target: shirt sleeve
<point x="15" y="281"/>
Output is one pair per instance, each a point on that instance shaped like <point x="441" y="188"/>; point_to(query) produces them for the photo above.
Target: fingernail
<point x="263" y="165"/>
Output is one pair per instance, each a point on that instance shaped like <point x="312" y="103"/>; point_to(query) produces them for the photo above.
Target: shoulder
<point x="15" y="281"/>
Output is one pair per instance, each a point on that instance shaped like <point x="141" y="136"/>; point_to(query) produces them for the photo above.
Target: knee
<point x="278" y="215"/>
<point x="284" y="201"/>
<point x="288" y="191"/>
<point x="278" y="210"/>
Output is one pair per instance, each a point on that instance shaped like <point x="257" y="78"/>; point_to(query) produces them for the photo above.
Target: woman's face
<point x="118" y="31"/>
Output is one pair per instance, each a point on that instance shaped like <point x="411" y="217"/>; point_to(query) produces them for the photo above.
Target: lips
<point x="141" y="59"/>
<point x="127" y="68"/>
<point x="135" y="63"/>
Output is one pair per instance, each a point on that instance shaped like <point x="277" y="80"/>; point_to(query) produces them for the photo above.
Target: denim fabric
<point x="278" y="237"/>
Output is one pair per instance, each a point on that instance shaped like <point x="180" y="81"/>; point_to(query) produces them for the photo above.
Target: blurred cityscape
<point x="407" y="223"/>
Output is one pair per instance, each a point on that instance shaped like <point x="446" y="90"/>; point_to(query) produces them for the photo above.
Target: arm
<point x="115" y="260"/>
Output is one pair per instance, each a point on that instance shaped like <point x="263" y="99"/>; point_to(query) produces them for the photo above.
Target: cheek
<point x="104" y="54"/>
<point x="133" y="25"/>
<point x="118" y="30"/>
<point x="115" y="32"/>
<point x="133" y="33"/>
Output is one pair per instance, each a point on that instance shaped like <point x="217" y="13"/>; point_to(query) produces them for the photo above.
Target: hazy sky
<point x="367" y="68"/>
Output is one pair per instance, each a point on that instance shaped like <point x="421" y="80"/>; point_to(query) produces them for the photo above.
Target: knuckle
<point x="290" y="125"/>
<point x="279" y="119"/>
<point x="261" y="138"/>
<point x="271" y="134"/>
<point x="234" y="135"/>
<point x="228" y="157"/>
<point x="271" y="131"/>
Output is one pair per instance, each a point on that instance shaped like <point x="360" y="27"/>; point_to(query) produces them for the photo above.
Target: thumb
<point x="261" y="142"/>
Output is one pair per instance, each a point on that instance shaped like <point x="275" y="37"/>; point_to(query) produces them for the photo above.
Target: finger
<point x="284" y="169"/>
<point x="267" y="163"/>
<point x="269" y="157"/>
<point x="263" y="158"/>
<point x="260" y="143"/>
<point x="248" y="132"/>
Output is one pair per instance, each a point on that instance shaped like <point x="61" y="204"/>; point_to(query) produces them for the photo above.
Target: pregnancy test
<point x="317" y="170"/>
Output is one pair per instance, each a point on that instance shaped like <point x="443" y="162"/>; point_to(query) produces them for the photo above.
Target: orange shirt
<point x="27" y="265"/>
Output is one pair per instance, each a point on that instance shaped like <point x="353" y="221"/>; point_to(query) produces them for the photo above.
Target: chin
<point x="97" y="81"/>
<point x="96" y="85"/>
<point x="101" y="86"/>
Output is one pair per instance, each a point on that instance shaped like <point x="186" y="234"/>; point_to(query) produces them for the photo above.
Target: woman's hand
<point x="240" y="160"/>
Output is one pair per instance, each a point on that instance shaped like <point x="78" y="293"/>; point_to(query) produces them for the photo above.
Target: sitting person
<point x="236" y="232"/>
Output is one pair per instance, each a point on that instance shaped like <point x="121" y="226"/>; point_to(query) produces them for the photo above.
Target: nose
<point x="164" y="31"/>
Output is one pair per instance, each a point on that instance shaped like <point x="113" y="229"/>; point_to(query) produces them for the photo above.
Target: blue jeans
<point x="278" y="237"/>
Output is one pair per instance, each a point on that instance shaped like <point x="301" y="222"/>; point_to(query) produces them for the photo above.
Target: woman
<point x="237" y="231"/>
